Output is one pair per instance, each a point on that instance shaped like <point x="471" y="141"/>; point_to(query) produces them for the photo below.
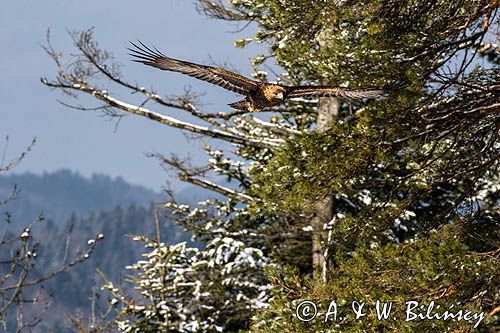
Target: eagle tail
<point x="239" y="105"/>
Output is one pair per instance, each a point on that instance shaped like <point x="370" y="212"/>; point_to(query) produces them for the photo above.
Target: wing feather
<point x="221" y="77"/>
<point x="326" y="91"/>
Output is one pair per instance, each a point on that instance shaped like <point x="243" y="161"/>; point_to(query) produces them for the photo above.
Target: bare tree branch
<point x="191" y="175"/>
<point x="215" y="187"/>
<point x="217" y="10"/>
<point x="166" y="120"/>
<point x="6" y="168"/>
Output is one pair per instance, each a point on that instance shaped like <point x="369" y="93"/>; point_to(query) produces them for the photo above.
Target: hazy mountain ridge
<point x="61" y="193"/>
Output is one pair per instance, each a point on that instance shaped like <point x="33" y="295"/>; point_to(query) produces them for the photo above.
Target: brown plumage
<point x="259" y="95"/>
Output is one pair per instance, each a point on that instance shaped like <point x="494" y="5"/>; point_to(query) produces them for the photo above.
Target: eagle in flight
<point x="259" y="95"/>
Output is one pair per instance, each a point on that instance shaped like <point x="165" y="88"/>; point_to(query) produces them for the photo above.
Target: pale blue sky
<point x="83" y="141"/>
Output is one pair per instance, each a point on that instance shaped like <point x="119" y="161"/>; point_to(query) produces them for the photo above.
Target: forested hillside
<point x="73" y="291"/>
<point x="59" y="194"/>
<point x="76" y="210"/>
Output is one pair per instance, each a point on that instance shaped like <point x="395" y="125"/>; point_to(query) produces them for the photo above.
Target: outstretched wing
<point x="221" y="77"/>
<point x="325" y="91"/>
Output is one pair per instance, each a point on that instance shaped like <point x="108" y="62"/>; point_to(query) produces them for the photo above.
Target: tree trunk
<point x="328" y="111"/>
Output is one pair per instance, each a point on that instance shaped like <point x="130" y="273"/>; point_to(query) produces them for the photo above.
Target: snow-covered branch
<point x="216" y="188"/>
<point x="166" y="120"/>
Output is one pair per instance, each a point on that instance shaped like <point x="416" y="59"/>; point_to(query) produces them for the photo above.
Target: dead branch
<point x="163" y="119"/>
<point x="215" y="187"/>
<point x="216" y="9"/>
<point x="6" y="168"/>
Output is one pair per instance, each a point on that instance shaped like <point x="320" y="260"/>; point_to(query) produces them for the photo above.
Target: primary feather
<point x="326" y="91"/>
<point x="215" y="75"/>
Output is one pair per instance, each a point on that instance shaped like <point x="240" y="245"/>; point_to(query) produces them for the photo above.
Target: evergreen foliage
<point x="439" y="268"/>
<point x="400" y="169"/>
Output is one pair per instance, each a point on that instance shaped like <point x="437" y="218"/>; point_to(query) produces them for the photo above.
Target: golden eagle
<point x="259" y="95"/>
